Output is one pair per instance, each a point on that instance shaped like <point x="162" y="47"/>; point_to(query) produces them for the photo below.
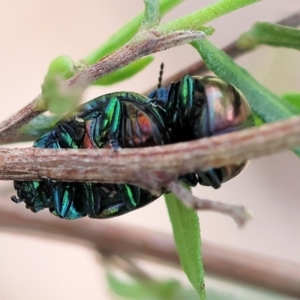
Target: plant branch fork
<point x="239" y="213"/>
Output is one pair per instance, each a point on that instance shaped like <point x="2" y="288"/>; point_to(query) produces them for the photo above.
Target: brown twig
<point x="144" y="43"/>
<point x="239" y="213"/>
<point x="9" y="126"/>
<point x="231" y="49"/>
<point x="280" y="276"/>
<point x="163" y="163"/>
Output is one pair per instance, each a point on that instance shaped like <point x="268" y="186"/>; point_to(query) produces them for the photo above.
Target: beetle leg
<point x="49" y="140"/>
<point x="33" y="194"/>
<point x="104" y="200"/>
<point x="62" y="195"/>
<point x="114" y="145"/>
<point x="93" y="205"/>
<point x="190" y="179"/>
<point x="113" y="137"/>
<point x="111" y="200"/>
<point x="17" y="186"/>
<point x="132" y="195"/>
<point x="210" y="178"/>
<point x="111" y="120"/>
<point x="71" y="196"/>
<point x="15" y="199"/>
<point x="67" y="136"/>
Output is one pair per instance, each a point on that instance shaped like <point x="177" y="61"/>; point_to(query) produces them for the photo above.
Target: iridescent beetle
<point x="115" y="120"/>
<point x="192" y="108"/>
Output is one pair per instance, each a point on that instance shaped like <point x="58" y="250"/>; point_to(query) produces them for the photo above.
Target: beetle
<point x="192" y="108"/>
<point x="117" y="120"/>
<point x="199" y="107"/>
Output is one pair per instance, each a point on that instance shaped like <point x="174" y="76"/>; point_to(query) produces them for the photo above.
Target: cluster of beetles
<point x="192" y="108"/>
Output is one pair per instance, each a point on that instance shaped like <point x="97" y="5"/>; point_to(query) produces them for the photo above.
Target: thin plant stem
<point x="163" y="163"/>
<point x="239" y="213"/>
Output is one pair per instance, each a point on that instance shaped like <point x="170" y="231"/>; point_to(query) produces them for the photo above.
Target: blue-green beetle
<point x="192" y="108"/>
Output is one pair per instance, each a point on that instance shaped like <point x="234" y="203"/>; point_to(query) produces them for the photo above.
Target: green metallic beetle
<point x="192" y="108"/>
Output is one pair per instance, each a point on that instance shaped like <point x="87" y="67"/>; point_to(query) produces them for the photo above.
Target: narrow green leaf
<point x="270" y="34"/>
<point x="126" y="33"/>
<point x="293" y="99"/>
<point x="267" y="105"/>
<point x="152" y="289"/>
<point x="186" y="232"/>
<point x="195" y="20"/>
<point x="125" y="72"/>
<point x="264" y="103"/>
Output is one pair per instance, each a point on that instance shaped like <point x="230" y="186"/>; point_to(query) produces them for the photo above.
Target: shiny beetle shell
<point x="199" y="107"/>
<point x="226" y="110"/>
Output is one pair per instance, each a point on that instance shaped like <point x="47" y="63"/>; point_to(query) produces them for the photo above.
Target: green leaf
<point x="62" y="66"/>
<point x="195" y="21"/>
<point x="270" y="34"/>
<point x="58" y="98"/>
<point x="292" y="99"/>
<point x="122" y="288"/>
<point x="125" y="72"/>
<point x="150" y="289"/>
<point x="186" y="232"/>
<point x="126" y="33"/>
<point x="257" y="120"/>
<point x="263" y="102"/>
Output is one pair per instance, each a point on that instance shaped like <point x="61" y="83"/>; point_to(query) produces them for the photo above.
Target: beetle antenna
<point x="160" y="75"/>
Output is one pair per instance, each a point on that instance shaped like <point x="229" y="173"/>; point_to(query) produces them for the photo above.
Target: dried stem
<point x="239" y="213"/>
<point x="144" y="43"/>
<point x="280" y="276"/>
<point x="163" y="163"/>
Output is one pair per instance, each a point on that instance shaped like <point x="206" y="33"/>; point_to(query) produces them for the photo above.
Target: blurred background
<point x="34" y="32"/>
